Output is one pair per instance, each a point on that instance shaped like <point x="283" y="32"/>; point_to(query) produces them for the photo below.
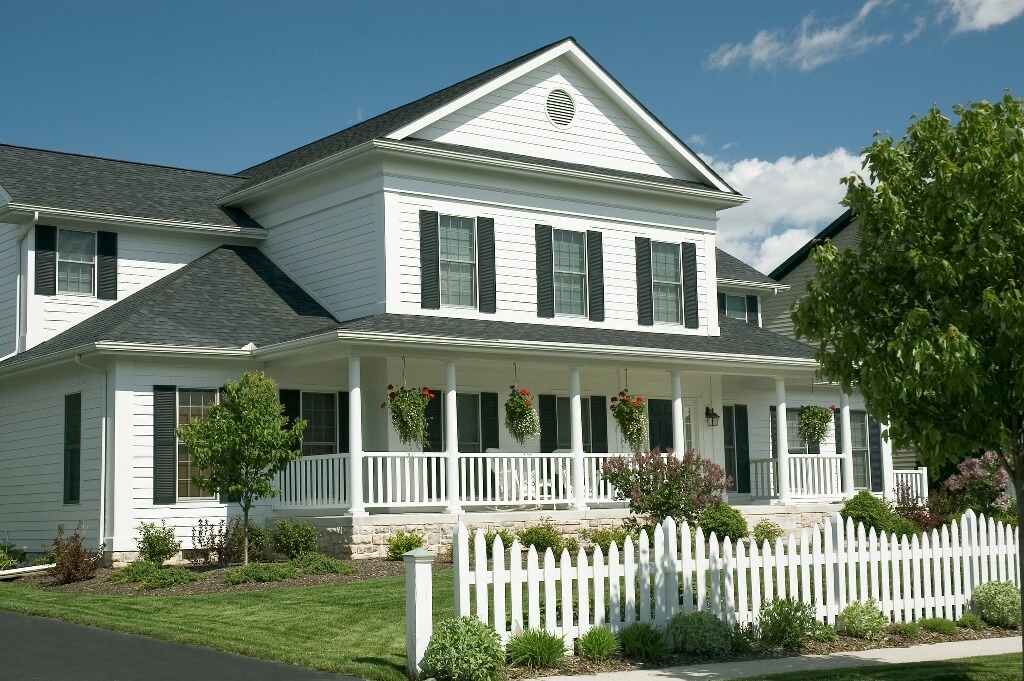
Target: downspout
<point x="20" y="284"/>
<point x="103" y="448"/>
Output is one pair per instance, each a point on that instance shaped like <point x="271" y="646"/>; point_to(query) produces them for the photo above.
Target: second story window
<point x="743" y="308"/>
<point x="76" y="261"/>
<point x="570" y="272"/>
<point x="458" y="261"/>
<point x="666" y="275"/>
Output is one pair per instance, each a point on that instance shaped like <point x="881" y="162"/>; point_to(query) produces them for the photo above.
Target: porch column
<point x="846" y="446"/>
<point x="888" y="482"/>
<point x="355" y="439"/>
<point x="782" y="445"/>
<point x="451" y="436"/>
<point x="576" y="439"/>
<point x="678" y="428"/>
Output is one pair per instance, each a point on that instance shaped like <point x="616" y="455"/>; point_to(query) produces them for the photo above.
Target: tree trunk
<point x="245" y="535"/>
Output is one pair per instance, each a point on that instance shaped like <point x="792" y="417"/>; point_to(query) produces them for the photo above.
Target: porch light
<point x="711" y="416"/>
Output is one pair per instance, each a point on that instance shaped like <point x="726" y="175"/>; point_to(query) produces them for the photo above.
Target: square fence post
<point x="419" y="601"/>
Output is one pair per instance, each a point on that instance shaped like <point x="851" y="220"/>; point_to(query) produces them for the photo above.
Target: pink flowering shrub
<point x="660" y="485"/>
<point x="981" y="485"/>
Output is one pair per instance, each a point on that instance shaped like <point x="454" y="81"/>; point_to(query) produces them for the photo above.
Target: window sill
<point x="72" y="294"/>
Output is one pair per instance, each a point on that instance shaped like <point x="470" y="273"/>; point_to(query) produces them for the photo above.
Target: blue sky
<point x="780" y="97"/>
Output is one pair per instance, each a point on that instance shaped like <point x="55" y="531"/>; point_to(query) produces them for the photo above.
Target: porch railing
<point x="916" y="482"/>
<point x="405" y="479"/>
<point x="496" y="479"/>
<point x="764" y="474"/>
<point x="818" y="477"/>
<point x="312" y="481"/>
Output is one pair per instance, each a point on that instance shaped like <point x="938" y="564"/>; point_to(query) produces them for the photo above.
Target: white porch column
<point x="782" y="444"/>
<point x="451" y="436"/>
<point x="888" y="483"/>
<point x="355" y="439"/>
<point x="678" y="428"/>
<point x="846" y="446"/>
<point x="576" y="438"/>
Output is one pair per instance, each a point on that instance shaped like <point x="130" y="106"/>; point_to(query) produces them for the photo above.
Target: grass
<point x="357" y="628"/>
<point x="992" y="668"/>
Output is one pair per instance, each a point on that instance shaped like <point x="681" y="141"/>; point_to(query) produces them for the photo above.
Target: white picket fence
<point x="650" y="581"/>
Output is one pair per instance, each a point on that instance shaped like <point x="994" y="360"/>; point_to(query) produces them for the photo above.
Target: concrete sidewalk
<point x="810" y="663"/>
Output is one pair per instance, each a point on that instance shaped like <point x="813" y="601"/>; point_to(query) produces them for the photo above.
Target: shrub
<point x="700" y="634"/>
<point x="909" y="507"/>
<point x="743" y="638"/>
<point x="136" y="571"/>
<point x="463" y="649"/>
<point x="605" y="537"/>
<point x="905" y="629"/>
<point x="998" y="603"/>
<point x="786" y="623"/>
<point x="724" y="521"/>
<point x="597" y="644"/>
<point x="507" y="537"/>
<point x="171" y="575"/>
<point x="970" y="621"/>
<point x="535" y="649"/>
<point x="294" y="537"/>
<point x="901" y="527"/>
<point x="862" y="620"/>
<point x="157" y="544"/>
<point x="939" y="625"/>
<point x="7" y="561"/>
<point x="74" y="562"/>
<point x="980" y="485"/>
<point x="319" y="564"/>
<point x="660" y="486"/>
<point x="261" y="572"/>
<point x="866" y="508"/>
<point x="822" y="633"/>
<point x="546" y="536"/>
<point x="403" y="542"/>
<point x="223" y="544"/>
<point x="644" y="642"/>
<point x="766" y="531"/>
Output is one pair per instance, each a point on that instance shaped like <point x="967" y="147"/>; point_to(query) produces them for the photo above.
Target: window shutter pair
<point x="46" y="263"/>
<point x="546" y="274"/>
<point x="430" y="263"/>
<point x="489" y="422"/>
<point x="645" y="284"/>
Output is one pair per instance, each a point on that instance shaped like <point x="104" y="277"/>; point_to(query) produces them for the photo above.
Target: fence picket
<point x="768" y="564"/>
<point x="906" y="589"/>
<point x="669" y="574"/>
<point x="818" y="565"/>
<point x="780" y="570"/>
<point x="614" y="570"/>
<point x="885" y="569"/>
<point x="728" y="598"/>
<point x="742" y="570"/>
<point x="805" y="568"/>
<point x="645" y="576"/>
<point x="830" y="573"/>
<point x="629" y="579"/>
<point x="842" y="600"/>
<point x="583" y="578"/>
<point x="480" y="575"/>
<point x="533" y="579"/>
<point x="499" y="580"/>
<point x="755" y="581"/>
<point x="701" y="565"/>
<point x="600" y="573"/>
<point x="550" y="599"/>
<point x="515" y="589"/>
<point x="460" y="558"/>
<point x="926" y="576"/>
<point x="874" y="564"/>
<point x="686" y="567"/>
<point x="715" y="571"/>
<point x="565" y="581"/>
<point x="862" y="563"/>
<point x="793" y="561"/>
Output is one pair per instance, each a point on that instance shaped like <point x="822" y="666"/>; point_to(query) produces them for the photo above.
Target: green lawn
<point x="993" y="668"/>
<point x="356" y="628"/>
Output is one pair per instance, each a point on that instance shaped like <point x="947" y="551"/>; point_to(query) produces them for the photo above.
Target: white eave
<point x="739" y="283"/>
<point x="29" y="211"/>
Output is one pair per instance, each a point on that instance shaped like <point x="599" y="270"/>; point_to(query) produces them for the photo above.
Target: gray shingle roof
<point x="830" y="232"/>
<point x="731" y="267"/>
<point x="97" y="185"/>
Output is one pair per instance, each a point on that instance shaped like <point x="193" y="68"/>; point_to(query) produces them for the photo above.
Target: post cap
<point x="419" y="555"/>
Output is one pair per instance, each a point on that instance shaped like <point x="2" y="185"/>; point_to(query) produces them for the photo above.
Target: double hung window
<point x="569" y="256"/>
<point x="666" y="273"/>
<point x="563" y="415"/>
<point x="458" y="261"/>
<point x="192" y="404"/>
<point x="76" y="261"/>
<point x="320" y="410"/>
<point x="73" y="448"/>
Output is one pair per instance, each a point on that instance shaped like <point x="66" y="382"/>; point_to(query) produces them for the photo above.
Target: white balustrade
<point x="814" y="476"/>
<point x="915" y="481"/>
<point x="405" y="478"/>
<point x="598" y="489"/>
<point x="764" y="478"/>
<point x="497" y="478"/>
<point x="311" y="481"/>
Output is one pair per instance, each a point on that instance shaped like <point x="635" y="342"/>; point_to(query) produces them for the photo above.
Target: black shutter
<point x="343" y="423"/>
<point x="595" y="276"/>
<point x="875" y="454"/>
<point x="644" y="283"/>
<point x="742" y="449"/>
<point x="545" y="273"/>
<point x="839" y="432"/>
<point x="814" y="448"/>
<point x="690" y="312"/>
<point x="73" y="448"/>
<point x="485" y="265"/>
<point x="106" y="265"/>
<point x="599" y="424"/>
<point x="489" y="421"/>
<point x="165" y="456"/>
<point x="46" y="260"/>
<point x="721" y="303"/>
<point x="435" y="423"/>
<point x="548" y="424"/>
<point x="753" y="311"/>
<point x="430" y="262"/>
<point x="292" y="401"/>
<point x="773" y="426"/>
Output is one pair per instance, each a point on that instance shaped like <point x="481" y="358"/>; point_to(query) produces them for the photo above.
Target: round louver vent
<point x="561" y="108"/>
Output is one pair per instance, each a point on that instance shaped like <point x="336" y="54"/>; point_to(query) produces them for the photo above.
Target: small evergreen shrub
<point x="822" y="633"/>
<point x="319" y="564"/>
<point x="597" y="644"/>
<point x="543" y="536"/>
<point x="998" y="603"/>
<point x="971" y="621"/>
<point x="700" y="634"/>
<point x="866" y="508"/>
<point x="157" y="544"/>
<point x="743" y="638"/>
<point x="786" y="623"/>
<point x="133" y="572"/>
<point x="724" y="521"/>
<point x="766" y="531"/>
<point x="939" y="625"/>
<point x="902" y="527"/>
<point x="463" y="649"/>
<point x="261" y="572"/>
<point x="905" y="629"/>
<point x="293" y="537"/>
<point x="862" y="620"/>
<point x="74" y="562"/>
<point x="605" y="537"/>
<point x="171" y="575"/>
<point x="535" y="649"/>
<point x="644" y="642"/>
<point x="403" y="542"/>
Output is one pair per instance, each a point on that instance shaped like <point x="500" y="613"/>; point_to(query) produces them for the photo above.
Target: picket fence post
<point x="419" y="602"/>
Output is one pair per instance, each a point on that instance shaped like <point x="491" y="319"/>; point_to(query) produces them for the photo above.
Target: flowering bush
<point x="628" y="411"/>
<point x="981" y="485"/>
<point x="521" y="418"/>
<point x="658" y="486"/>
<point x="409" y="413"/>
<point x="815" y="423"/>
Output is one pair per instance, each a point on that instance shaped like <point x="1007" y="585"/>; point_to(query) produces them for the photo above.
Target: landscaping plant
<point x="157" y="544"/>
<point x="294" y="537"/>
<point x="786" y="622"/>
<point x="971" y="621"/>
<point x="644" y="642"/>
<point x="862" y="620"/>
<point x="402" y="542"/>
<point x="463" y="649"/>
<point x="905" y="629"/>
<point x="133" y="572"/>
<point x="74" y="562"/>
<point x="172" y="575"/>
<point x="408" y="409"/>
<point x="598" y="644"/>
<point x="766" y="531"/>
<point x="261" y="572"/>
<point x="998" y="603"/>
<point x="628" y="412"/>
<point x="535" y="649"/>
<point x="724" y="521"/>
<point x="319" y="564"/>
<point x="939" y="625"/>
<point x="605" y="537"/>
<point x="814" y="423"/>
<point x="700" y="634"/>
<point x="910" y="508"/>
<point x="980" y="485"/>
<point x="544" y="536"/>
<point x="822" y="633"/>
<point x="521" y="419"/>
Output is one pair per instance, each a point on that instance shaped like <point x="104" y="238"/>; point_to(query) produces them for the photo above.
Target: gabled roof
<point x="791" y="263"/>
<point x="733" y="269"/>
<point x="40" y="179"/>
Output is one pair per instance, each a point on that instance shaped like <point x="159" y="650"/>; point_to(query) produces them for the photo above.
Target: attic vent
<point x="561" y="108"/>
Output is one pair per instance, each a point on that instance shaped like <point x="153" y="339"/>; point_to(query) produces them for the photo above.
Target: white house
<point x="533" y="224"/>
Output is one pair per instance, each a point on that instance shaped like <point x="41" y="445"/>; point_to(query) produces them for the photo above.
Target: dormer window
<point x="76" y="261"/>
<point x="744" y="308"/>
<point x="73" y="262"/>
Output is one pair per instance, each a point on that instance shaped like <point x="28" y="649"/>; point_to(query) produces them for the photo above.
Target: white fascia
<point x="23" y="210"/>
<point x="739" y="283"/>
<point x="111" y="347"/>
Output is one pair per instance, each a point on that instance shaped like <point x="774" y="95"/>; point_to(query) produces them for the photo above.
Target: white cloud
<point x="697" y="140"/>
<point x="920" y="23"/>
<point x="791" y="200"/>
<point x="806" y="47"/>
<point x="981" y="15"/>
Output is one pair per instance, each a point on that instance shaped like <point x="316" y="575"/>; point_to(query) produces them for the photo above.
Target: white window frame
<point x="678" y="284"/>
<point x="178" y="443"/>
<point x="92" y="285"/>
<point x="585" y="274"/>
<point x="746" y="312"/>
<point x="476" y="262"/>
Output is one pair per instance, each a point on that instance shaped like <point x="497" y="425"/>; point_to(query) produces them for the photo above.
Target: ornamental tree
<point x="926" y="316"/>
<point x="244" y="442"/>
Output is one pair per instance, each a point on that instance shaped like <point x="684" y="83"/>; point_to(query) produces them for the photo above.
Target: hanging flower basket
<point x="815" y="423"/>
<point x="408" y="407"/>
<point x="628" y="412"/>
<point x="521" y="418"/>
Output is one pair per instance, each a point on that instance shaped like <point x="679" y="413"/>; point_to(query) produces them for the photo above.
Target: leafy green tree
<point x="926" y="316"/>
<point x="243" y="444"/>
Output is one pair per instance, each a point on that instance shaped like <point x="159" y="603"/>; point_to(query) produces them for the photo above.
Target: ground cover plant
<point x="644" y="642"/>
<point x="319" y="564"/>
<point x="862" y="620"/>
<point x="971" y="621"/>
<point x="261" y="572"/>
<point x="786" y="623"/>
<point x="701" y="634"/>
<point x="463" y="649"/>
<point x="534" y="649"/>
<point x="998" y="603"/>
<point x="598" y="644"/>
<point x="939" y="625"/>
<point x="905" y="629"/>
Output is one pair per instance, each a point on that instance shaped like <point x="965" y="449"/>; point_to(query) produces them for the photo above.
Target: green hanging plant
<point x="521" y="418"/>
<point x="815" y="423"/>
<point x="408" y="407"/>
<point x="628" y="412"/>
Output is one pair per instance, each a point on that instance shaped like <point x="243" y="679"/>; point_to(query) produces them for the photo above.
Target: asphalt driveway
<point x="41" y="649"/>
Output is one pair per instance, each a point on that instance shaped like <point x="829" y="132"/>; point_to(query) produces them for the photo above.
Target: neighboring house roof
<point x="39" y="179"/>
<point x="731" y="268"/>
<point x="791" y="263"/>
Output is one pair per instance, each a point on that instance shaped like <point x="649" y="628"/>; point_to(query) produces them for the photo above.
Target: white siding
<point x="513" y="119"/>
<point x="8" y="288"/>
<point x="32" y="455"/>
